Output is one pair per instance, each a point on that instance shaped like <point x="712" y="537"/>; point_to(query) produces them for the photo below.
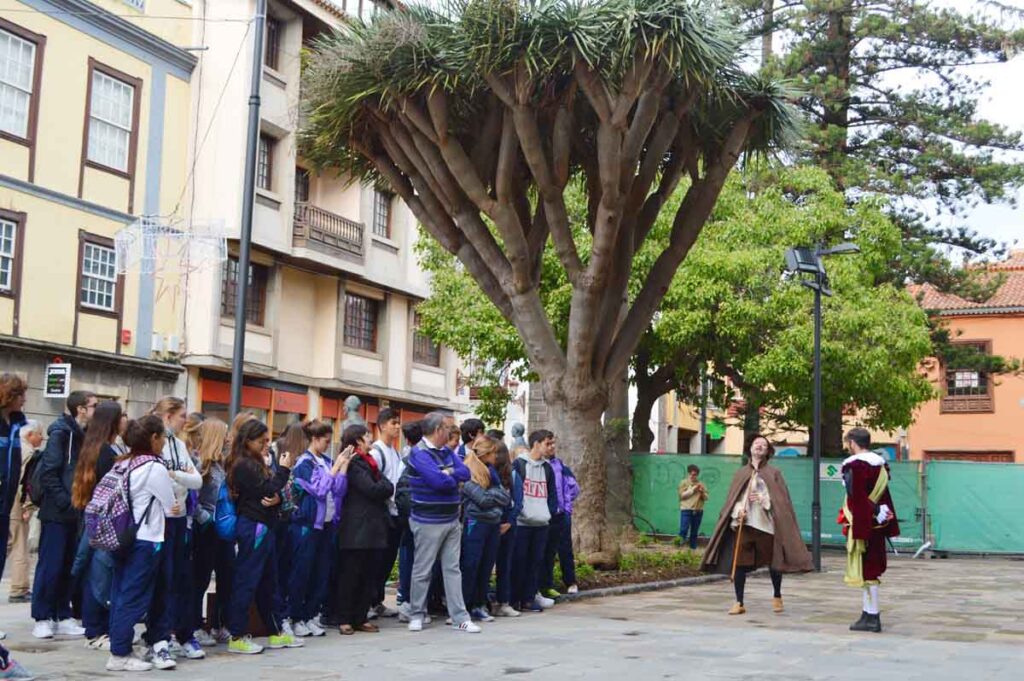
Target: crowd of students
<point x="309" y="539"/>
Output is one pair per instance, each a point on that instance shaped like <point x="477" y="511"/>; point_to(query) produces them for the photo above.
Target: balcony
<point x="323" y="230"/>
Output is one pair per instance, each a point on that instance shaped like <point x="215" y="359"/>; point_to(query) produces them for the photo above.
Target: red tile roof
<point x="1009" y="295"/>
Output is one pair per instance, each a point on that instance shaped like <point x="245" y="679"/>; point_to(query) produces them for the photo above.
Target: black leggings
<point x="741" y="582"/>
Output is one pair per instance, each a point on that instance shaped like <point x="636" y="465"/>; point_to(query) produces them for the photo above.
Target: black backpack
<point x="31" y="482"/>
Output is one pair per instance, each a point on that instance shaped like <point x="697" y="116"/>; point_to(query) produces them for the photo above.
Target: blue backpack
<point x="225" y="516"/>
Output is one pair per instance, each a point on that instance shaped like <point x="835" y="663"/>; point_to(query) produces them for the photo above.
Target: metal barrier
<point x="966" y="507"/>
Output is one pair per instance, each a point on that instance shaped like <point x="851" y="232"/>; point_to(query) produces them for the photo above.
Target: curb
<point x="625" y="589"/>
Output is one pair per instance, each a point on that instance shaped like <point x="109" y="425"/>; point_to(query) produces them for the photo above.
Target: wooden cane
<point x="736" y="549"/>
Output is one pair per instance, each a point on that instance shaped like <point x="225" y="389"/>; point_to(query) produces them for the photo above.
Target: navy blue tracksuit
<point x="51" y="588"/>
<point x="528" y="559"/>
<point x="132" y="592"/>
<point x="313" y="553"/>
<point x="255" y="577"/>
<point x="211" y="554"/>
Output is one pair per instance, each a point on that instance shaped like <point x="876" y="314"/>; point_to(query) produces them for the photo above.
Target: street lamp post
<point x="248" y="198"/>
<point x="810" y="262"/>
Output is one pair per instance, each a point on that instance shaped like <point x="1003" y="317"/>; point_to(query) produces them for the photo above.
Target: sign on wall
<point x="58" y="381"/>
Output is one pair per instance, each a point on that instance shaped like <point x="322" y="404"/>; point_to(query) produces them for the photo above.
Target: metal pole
<point x="704" y="412"/>
<point x="248" y="198"/>
<point x="816" y="499"/>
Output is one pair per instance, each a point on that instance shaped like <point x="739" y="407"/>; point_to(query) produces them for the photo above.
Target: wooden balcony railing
<point x="313" y="224"/>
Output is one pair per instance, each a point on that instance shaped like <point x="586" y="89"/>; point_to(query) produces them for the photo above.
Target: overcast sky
<point x="1002" y="103"/>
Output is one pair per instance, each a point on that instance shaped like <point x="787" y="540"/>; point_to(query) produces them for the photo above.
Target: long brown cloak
<point x="790" y="554"/>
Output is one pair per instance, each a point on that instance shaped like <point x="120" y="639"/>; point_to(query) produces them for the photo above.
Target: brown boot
<point x="737" y="609"/>
<point x="777" y="605"/>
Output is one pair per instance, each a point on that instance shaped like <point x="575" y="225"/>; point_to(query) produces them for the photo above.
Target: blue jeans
<point x="406" y="556"/>
<point x="132" y="593"/>
<point x="528" y="561"/>
<point x="479" y="551"/>
<point x="689" y="524"/>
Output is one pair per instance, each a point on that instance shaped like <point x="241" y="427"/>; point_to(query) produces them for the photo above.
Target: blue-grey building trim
<point x="119" y="33"/>
<point x="65" y="199"/>
<point x="151" y="203"/>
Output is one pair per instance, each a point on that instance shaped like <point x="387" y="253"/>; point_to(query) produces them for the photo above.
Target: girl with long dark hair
<point x="257" y="494"/>
<point x="95" y="569"/>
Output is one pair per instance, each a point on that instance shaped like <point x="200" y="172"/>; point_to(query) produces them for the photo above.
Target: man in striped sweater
<point x="435" y="474"/>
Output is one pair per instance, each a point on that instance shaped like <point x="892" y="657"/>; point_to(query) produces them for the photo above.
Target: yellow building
<point x="95" y="109"/>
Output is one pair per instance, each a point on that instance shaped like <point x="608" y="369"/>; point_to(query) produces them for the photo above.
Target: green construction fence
<point x="968" y="507"/>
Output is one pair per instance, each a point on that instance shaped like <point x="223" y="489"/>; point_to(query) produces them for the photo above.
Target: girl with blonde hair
<point x="485" y="502"/>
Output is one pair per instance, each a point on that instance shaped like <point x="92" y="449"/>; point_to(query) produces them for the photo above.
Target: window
<point x="99" y="277"/>
<point x="424" y="349"/>
<point x="382" y="213"/>
<point x="968" y="389"/>
<point x="361" y="322"/>
<point x="8" y="234"/>
<point x="301" y="185"/>
<point x="272" y="47"/>
<point x="265" y="163"/>
<point x="110" y="121"/>
<point x="17" y="73"/>
<point x="137" y="4"/>
<point x="256" y="298"/>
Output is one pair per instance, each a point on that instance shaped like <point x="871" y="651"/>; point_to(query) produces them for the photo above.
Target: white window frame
<point x="95" y="119"/>
<point x="136" y="4"/>
<point x="12" y="90"/>
<point x="94" y="282"/>
<point x="7" y="253"/>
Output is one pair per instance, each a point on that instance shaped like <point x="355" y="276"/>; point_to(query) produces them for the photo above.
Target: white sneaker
<point x="176" y="648"/>
<point x="128" y="663"/>
<point x="545" y="602"/>
<point x="301" y="630"/>
<point x="371" y="614"/>
<point x="468" y="627"/>
<point x="404" y="612"/>
<point x="3" y="635"/>
<point x="314" y="628"/>
<point x="286" y="628"/>
<point x="222" y="636"/>
<point x="204" y="638"/>
<point x="43" y="629"/>
<point x="193" y="650"/>
<point x="384" y="611"/>
<point x="416" y="624"/>
<point x="101" y="642"/>
<point x="448" y="621"/>
<point x="573" y="589"/>
<point x="69" y="627"/>
<point x="160" y="656"/>
<point x="506" y="610"/>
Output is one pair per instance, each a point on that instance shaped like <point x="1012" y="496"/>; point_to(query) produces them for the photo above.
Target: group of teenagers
<point x="313" y="538"/>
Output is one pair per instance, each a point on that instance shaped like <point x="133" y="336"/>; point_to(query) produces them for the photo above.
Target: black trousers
<point x="388" y="556"/>
<point x="357" y="584"/>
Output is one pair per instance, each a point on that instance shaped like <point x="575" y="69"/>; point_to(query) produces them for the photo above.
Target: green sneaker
<point x="284" y="641"/>
<point x="244" y="646"/>
<point x="550" y="593"/>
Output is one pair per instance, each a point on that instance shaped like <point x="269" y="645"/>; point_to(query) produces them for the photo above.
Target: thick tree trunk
<point x="619" y="470"/>
<point x="831" y="432"/>
<point x="643" y="436"/>
<point x="581" y="437"/>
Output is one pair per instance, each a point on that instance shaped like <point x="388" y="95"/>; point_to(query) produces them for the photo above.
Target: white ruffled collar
<point x="870" y="458"/>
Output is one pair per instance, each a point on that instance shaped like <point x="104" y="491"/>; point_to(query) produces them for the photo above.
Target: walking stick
<point x="736" y="549"/>
<point x="739" y="528"/>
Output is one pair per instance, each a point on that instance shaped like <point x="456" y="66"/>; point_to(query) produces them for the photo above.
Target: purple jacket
<point x="316" y="481"/>
<point x="565" y="485"/>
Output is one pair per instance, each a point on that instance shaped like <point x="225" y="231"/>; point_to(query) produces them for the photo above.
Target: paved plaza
<point x="945" y="619"/>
